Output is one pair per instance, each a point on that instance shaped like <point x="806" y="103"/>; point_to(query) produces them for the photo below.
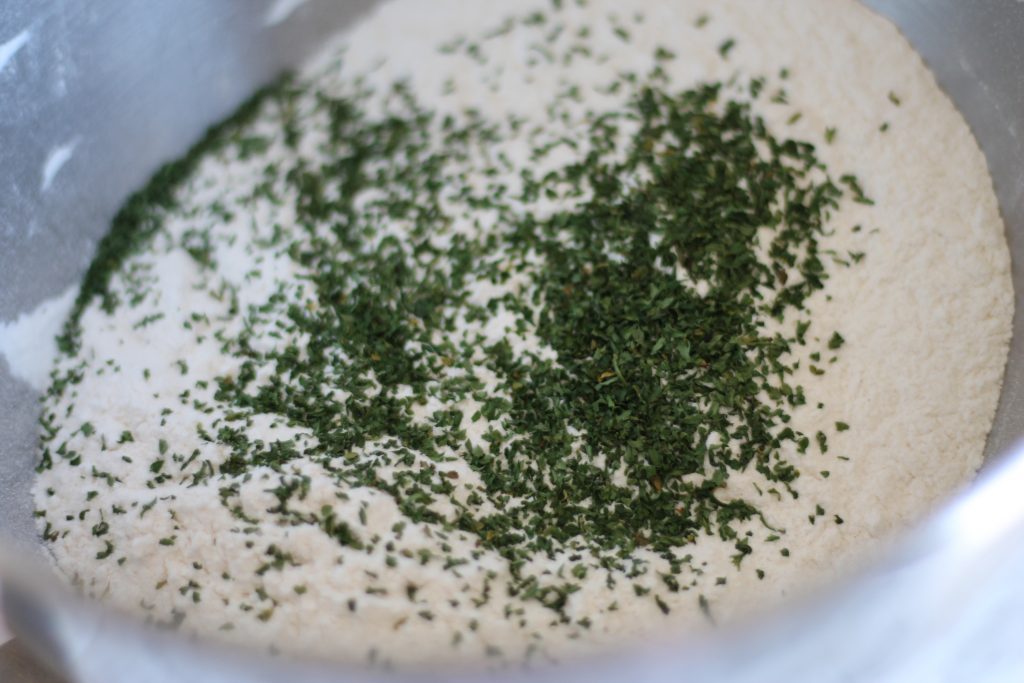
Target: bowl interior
<point x="120" y="88"/>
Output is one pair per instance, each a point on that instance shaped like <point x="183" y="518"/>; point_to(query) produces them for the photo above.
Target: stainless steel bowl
<point x="124" y="85"/>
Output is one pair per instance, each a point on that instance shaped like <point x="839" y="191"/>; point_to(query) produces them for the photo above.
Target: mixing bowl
<point x="95" y="96"/>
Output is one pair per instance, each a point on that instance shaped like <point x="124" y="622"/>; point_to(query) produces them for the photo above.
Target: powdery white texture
<point x="926" y="317"/>
<point x="28" y="343"/>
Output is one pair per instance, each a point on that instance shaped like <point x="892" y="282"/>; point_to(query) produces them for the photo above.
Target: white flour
<point x="28" y="342"/>
<point x="926" y="318"/>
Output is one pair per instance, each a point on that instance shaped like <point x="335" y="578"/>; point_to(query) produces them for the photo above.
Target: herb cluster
<point x="565" y="361"/>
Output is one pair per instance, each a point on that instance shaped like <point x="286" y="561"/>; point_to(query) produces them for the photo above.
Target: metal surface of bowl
<point x="95" y="96"/>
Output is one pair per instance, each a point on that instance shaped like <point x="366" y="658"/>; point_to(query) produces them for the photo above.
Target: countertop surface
<point x="16" y="666"/>
<point x="5" y="634"/>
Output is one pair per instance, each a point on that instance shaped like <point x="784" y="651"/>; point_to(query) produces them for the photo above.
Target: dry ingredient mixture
<point x="512" y="330"/>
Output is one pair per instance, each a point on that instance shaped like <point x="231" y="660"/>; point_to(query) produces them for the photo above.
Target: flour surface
<point x="924" y="307"/>
<point x="27" y="342"/>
